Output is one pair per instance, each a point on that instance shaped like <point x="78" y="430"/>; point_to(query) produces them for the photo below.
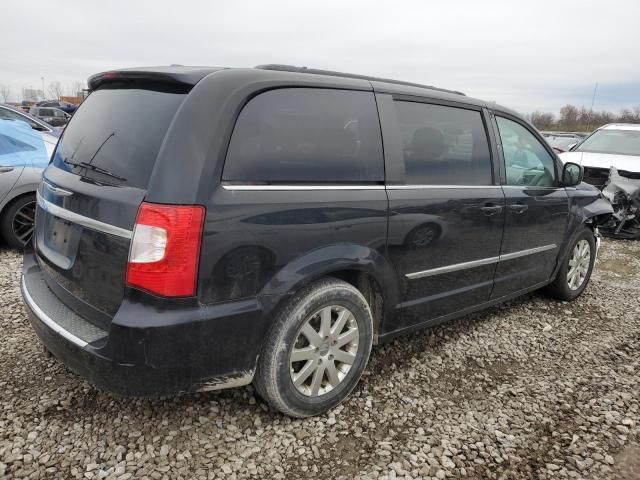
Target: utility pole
<point x="593" y="99"/>
<point x="42" y="78"/>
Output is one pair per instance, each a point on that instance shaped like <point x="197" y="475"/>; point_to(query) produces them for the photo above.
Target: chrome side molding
<point x="524" y="253"/>
<point x="453" y="268"/>
<point x="478" y="263"/>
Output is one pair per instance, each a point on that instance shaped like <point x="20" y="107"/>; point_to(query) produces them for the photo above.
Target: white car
<point x="611" y="160"/>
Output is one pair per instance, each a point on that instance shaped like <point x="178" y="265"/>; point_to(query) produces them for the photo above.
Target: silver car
<point x="24" y="153"/>
<point x="51" y="115"/>
<point x="7" y="112"/>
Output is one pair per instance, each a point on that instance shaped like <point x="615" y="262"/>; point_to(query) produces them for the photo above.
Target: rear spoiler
<point x="180" y="76"/>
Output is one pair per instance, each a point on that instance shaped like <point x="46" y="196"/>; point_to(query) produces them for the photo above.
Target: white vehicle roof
<point x="621" y="126"/>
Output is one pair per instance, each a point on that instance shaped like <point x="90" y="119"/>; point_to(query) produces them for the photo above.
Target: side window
<point x="306" y="135"/>
<point x="443" y="145"/>
<point x="526" y="160"/>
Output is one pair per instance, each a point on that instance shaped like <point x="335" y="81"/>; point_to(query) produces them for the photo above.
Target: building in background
<point x="32" y="95"/>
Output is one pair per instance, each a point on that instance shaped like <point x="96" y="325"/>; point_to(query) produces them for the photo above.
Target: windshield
<point x="561" y="141"/>
<point x="115" y="136"/>
<point x="620" y="142"/>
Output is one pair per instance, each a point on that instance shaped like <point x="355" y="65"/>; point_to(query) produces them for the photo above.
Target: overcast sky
<point x="527" y="55"/>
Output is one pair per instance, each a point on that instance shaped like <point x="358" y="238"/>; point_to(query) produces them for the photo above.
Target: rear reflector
<point x="165" y="249"/>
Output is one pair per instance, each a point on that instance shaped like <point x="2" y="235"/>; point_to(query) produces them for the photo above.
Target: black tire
<point x="273" y="379"/>
<point x="13" y="225"/>
<point x="559" y="288"/>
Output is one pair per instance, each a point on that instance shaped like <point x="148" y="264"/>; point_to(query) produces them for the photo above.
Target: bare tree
<point x="580" y="119"/>
<point x="55" y="89"/>
<point x="5" y="91"/>
<point x="543" y="121"/>
<point x="75" y="88"/>
<point x="568" y="117"/>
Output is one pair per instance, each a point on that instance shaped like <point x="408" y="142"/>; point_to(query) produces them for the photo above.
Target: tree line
<point x="574" y="119"/>
<point x="54" y="90"/>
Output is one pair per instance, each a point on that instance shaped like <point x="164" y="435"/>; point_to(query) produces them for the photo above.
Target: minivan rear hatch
<point x="91" y="192"/>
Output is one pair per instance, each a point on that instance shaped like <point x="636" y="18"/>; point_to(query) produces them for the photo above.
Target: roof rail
<point x="292" y="68"/>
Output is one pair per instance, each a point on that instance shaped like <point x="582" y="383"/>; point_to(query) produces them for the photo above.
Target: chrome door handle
<point x="518" y="208"/>
<point x="6" y="169"/>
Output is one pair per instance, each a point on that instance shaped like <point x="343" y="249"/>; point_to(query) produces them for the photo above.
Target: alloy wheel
<point x="324" y="350"/>
<point x="579" y="264"/>
<point x="23" y="222"/>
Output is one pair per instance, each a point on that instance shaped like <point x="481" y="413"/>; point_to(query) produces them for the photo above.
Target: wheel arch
<point x="363" y="267"/>
<point x="18" y="190"/>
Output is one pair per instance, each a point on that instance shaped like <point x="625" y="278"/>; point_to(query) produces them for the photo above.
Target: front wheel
<point x="316" y="350"/>
<point x="575" y="271"/>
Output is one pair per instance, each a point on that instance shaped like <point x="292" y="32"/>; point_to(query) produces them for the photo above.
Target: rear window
<point x="306" y="135"/>
<point x="115" y="136"/>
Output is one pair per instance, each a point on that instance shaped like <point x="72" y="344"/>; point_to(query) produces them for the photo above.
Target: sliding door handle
<point x="491" y="210"/>
<point x="6" y="169"/>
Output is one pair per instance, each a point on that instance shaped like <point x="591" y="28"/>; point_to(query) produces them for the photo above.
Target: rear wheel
<point x="17" y="222"/>
<point x="316" y="349"/>
<point x="575" y="271"/>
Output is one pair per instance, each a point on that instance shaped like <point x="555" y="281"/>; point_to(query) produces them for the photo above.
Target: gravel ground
<point x="531" y="389"/>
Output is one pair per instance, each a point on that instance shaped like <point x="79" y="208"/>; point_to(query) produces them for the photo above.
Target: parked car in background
<point x="561" y="141"/>
<point x="610" y="157"/>
<point x="53" y="116"/>
<point x="258" y="228"/>
<point x="67" y="107"/>
<point x="24" y="153"/>
<point x="7" y="112"/>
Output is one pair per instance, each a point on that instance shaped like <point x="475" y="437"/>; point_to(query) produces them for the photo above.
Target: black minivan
<point x="204" y="228"/>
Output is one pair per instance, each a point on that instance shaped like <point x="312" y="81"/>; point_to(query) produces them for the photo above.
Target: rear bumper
<point x="148" y="351"/>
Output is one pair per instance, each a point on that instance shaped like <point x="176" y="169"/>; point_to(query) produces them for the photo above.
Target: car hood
<point x="628" y="163"/>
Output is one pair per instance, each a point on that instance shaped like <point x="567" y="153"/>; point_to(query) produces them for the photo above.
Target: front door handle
<point x="518" y="208"/>
<point x="491" y="210"/>
<point x="6" y="169"/>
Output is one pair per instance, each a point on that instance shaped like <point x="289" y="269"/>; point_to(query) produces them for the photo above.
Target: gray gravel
<point x="532" y="389"/>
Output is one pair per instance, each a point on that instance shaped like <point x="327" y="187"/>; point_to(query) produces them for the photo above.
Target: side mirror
<point x="572" y="174"/>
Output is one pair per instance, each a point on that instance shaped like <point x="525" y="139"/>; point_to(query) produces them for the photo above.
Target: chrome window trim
<point x="530" y="187"/>
<point x="299" y="187"/>
<point x="427" y="187"/>
<point x="91" y="223"/>
<point x="255" y="187"/>
<point x="44" y="318"/>
<point x="478" y="263"/>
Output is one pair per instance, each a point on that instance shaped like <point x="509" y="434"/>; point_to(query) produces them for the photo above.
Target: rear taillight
<point x="165" y="249"/>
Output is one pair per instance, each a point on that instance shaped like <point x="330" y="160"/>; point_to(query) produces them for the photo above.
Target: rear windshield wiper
<point x="95" y="169"/>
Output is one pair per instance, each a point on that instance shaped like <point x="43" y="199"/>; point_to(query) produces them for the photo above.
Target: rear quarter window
<point x="302" y="135"/>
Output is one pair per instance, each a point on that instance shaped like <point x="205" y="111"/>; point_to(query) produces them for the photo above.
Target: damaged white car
<point x="611" y="160"/>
